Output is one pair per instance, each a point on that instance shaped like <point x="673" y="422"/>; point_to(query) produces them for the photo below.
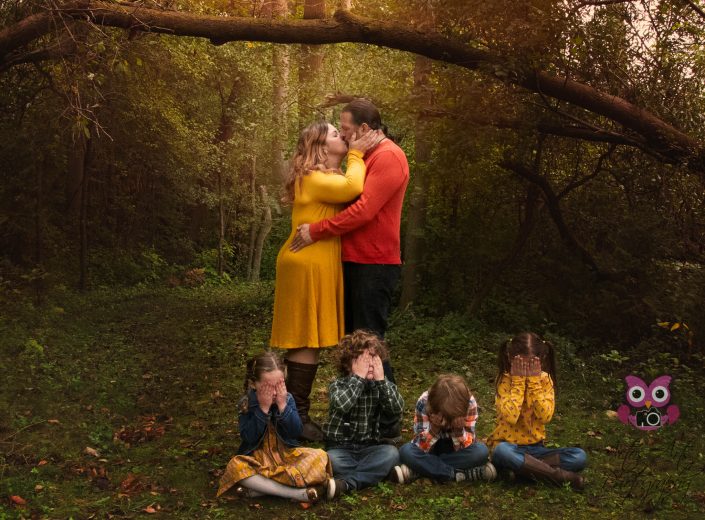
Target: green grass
<point x="80" y="371"/>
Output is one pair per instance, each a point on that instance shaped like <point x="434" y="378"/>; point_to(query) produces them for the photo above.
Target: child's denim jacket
<point x="253" y="423"/>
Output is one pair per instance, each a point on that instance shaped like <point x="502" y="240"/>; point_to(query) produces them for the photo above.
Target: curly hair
<point x="351" y="346"/>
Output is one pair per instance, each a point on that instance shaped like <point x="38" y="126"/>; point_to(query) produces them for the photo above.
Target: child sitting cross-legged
<point x="269" y="460"/>
<point x="358" y="398"/>
<point x="525" y="403"/>
<point x="444" y="447"/>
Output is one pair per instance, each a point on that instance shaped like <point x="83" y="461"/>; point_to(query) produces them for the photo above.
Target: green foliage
<point x="102" y="371"/>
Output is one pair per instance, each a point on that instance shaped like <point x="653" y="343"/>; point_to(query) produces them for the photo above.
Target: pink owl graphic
<point x="649" y="402"/>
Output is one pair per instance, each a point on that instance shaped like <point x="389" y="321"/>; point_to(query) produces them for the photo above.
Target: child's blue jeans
<point x="442" y="461"/>
<point x="511" y="456"/>
<point x="362" y="466"/>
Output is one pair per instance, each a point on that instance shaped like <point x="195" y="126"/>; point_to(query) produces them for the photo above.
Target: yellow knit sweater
<point x="524" y="406"/>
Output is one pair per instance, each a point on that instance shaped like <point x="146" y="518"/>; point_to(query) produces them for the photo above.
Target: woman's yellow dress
<point x="308" y="296"/>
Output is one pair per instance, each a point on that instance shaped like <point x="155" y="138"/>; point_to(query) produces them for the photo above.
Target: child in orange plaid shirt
<point x="444" y="447"/>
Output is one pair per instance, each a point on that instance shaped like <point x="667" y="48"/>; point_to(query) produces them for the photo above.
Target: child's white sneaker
<point x="402" y="474"/>
<point x="487" y="472"/>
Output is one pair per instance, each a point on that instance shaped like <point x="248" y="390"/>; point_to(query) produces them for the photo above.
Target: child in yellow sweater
<point x="525" y="401"/>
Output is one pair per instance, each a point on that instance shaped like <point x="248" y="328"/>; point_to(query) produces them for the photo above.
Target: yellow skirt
<point x="295" y="467"/>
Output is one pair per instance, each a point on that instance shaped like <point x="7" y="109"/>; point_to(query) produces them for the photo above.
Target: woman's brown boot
<point x="539" y="470"/>
<point x="299" y="381"/>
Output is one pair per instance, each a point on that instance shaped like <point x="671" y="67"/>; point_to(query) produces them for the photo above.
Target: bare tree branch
<point x="657" y="134"/>
<point x="598" y="168"/>
<point x="597" y="3"/>
<point x="695" y="7"/>
<point x="553" y="205"/>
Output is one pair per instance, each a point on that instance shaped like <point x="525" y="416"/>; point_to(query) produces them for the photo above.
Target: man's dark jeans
<point x="368" y="299"/>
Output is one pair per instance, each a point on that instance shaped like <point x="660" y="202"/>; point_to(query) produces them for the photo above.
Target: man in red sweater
<point x="369" y="227"/>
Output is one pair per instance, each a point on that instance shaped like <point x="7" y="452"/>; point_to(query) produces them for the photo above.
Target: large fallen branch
<point x="663" y="138"/>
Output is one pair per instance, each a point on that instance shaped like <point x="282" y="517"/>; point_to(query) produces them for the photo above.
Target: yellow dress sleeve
<point x="540" y="397"/>
<point x="510" y="397"/>
<point x="337" y="189"/>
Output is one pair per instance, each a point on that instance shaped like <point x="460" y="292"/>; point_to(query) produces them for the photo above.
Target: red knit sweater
<point x="370" y="225"/>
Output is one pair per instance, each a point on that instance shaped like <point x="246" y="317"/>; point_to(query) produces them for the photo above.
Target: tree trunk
<point x="39" y="230"/>
<point x="423" y="147"/>
<point x="255" y="221"/>
<point x="75" y="173"/>
<point x="280" y="66"/>
<point x="221" y="222"/>
<point x="83" y="219"/>
<point x="226" y="130"/>
<point x="310" y="63"/>
<point x="275" y="12"/>
<point x="264" y="229"/>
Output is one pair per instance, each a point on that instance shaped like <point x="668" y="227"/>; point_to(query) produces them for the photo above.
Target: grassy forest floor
<point x="121" y="404"/>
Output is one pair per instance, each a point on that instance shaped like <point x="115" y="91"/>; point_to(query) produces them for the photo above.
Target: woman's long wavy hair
<point x="311" y="154"/>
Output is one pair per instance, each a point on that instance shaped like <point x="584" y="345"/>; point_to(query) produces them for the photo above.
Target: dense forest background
<point x="135" y="158"/>
<point x="557" y="185"/>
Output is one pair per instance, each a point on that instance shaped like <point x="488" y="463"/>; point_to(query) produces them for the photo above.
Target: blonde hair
<point x="311" y="154"/>
<point x="449" y="396"/>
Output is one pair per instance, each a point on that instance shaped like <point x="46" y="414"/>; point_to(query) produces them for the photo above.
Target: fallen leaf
<point x="91" y="451"/>
<point x="53" y="421"/>
<point x="150" y="510"/>
<point x="18" y="500"/>
<point x="151" y="428"/>
<point x="611" y="414"/>
<point x="305" y="505"/>
<point x="132" y="485"/>
<point x="38" y="487"/>
<point x="42" y="462"/>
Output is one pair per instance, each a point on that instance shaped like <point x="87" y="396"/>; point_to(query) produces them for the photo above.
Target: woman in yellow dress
<point x="308" y="297"/>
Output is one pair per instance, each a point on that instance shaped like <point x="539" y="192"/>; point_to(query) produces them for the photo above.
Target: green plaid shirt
<point x="355" y="408"/>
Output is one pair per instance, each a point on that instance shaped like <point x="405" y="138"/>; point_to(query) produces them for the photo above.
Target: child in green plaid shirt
<point x="357" y="401"/>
